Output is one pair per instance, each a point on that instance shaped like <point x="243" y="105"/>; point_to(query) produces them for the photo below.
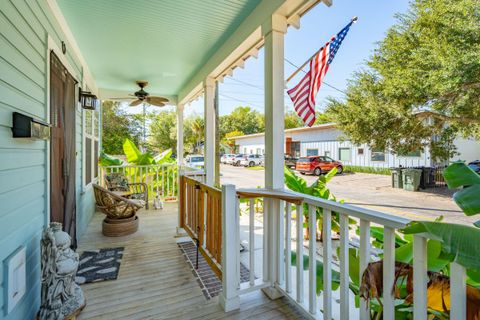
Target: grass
<point x="256" y="168"/>
<point x="372" y="170"/>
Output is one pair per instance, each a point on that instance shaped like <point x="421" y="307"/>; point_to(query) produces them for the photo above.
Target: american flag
<point x="303" y="94"/>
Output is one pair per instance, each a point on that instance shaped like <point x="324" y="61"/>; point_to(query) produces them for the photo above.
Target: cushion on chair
<point x="117" y="181"/>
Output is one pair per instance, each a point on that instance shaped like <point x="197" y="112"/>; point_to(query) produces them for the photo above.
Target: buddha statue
<point x="62" y="298"/>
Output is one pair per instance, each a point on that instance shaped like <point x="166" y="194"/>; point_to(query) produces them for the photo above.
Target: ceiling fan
<point x="141" y="96"/>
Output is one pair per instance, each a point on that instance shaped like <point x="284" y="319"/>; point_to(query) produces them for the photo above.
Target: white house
<point x="325" y="139"/>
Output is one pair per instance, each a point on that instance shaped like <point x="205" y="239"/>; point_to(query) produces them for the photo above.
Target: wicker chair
<point x="117" y="181"/>
<point x="114" y="206"/>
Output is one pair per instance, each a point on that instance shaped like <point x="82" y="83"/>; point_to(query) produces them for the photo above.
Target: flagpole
<point x="354" y="19"/>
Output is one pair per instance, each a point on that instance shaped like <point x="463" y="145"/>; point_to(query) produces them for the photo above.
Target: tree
<point x="428" y="61"/>
<point x="163" y="130"/>
<point x="231" y="143"/>
<point x="117" y="126"/>
<point x="242" y="119"/>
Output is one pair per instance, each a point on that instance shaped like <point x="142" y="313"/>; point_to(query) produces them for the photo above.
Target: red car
<point x="317" y="165"/>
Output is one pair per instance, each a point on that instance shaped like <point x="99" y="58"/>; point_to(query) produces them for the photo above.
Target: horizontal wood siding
<point x="24" y="29"/>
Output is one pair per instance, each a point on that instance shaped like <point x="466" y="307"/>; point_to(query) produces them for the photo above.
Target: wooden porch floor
<point x="155" y="282"/>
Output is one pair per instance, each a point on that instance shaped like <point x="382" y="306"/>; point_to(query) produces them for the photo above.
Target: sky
<point x="375" y="17"/>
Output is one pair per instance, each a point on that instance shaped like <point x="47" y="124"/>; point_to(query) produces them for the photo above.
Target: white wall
<point x="252" y="144"/>
<point x="468" y="149"/>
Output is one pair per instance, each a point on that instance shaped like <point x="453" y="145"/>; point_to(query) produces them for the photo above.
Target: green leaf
<point x="404" y="253"/>
<point x="106" y="160"/>
<point x="164" y="157"/>
<point x="293" y="182"/>
<point x="319" y="272"/>
<point x="458" y="174"/>
<point x="131" y="151"/>
<point x="458" y="241"/>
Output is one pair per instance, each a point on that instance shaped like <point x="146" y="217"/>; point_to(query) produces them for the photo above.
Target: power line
<point x="239" y="100"/>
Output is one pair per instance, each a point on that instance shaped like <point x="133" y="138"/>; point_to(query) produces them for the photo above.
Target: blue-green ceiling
<point x="162" y="41"/>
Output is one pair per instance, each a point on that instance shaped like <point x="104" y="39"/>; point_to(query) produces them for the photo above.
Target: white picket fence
<point x="287" y="280"/>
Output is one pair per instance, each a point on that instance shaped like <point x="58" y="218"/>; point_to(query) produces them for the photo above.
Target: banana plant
<point x="317" y="189"/>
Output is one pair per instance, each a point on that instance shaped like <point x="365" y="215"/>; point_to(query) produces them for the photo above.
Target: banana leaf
<point x="106" y="160"/>
<point x="460" y="243"/>
<point x="131" y="151"/>
<point x="164" y="157"/>
<point x="457" y="175"/>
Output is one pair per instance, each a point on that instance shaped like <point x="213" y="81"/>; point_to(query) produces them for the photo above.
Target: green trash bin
<point x="397" y="181"/>
<point x="411" y="179"/>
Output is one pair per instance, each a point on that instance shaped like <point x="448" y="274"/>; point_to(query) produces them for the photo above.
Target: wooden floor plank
<point x="155" y="282"/>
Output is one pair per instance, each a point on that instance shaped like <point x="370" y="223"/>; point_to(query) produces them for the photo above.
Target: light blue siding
<point x="25" y="26"/>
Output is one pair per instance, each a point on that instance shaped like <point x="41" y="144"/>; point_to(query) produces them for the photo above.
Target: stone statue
<point x="62" y="298"/>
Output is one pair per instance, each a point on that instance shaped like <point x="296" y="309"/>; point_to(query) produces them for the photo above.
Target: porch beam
<point x="209" y="141"/>
<point x="274" y="30"/>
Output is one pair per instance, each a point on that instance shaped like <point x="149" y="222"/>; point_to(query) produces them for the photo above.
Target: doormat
<point x="99" y="265"/>
<point x="207" y="279"/>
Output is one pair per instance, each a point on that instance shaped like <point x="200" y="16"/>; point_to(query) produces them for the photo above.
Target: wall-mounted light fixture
<point x="88" y="100"/>
<point x="27" y="127"/>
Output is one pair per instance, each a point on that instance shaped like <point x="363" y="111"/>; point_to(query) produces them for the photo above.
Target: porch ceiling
<point x="163" y="41"/>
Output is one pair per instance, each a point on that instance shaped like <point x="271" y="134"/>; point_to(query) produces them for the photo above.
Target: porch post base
<point x="272" y="293"/>
<point x="229" y="304"/>
<point x="180" y="233"/>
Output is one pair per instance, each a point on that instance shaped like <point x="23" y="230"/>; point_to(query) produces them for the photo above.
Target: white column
<point x="180" y="231"/>
<point x="209" y="143"/>
<point x="180" y="134"/>
<point x="274" y="30"/>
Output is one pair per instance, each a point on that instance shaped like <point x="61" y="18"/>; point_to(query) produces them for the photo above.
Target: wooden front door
<point x="62" y="147"/>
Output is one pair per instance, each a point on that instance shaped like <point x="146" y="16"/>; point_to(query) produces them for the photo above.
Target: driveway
<point x="371" y="191"/>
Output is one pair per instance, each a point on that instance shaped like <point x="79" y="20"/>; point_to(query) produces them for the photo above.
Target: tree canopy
<point x="428" y="61"/>
<point x="117" y="126"/>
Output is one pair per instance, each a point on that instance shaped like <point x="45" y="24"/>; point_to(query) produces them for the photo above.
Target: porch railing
<point x="160" y="179"/>
<point x="201" y="217"/>
<point x="288" y="280"/>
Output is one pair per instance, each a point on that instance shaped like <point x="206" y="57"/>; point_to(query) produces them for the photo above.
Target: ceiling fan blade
<point x="129" y="98"/>
<point x="135" y="103"/>
<point x="156" y="101"/>
<point x="162" y="99"/>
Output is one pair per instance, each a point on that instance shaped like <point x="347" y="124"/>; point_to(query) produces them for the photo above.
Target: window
<point x="312" y="152"/>
<point x="360" y="151"/>
<point x="245" y="150"/>
<point x="410" y="154"/>
<point x="259" y="151"/>
<point x="91" y="134"/>
<point x="378" y="155"/>
<point x="344" y="154"/>
<point x="327" y="153"/>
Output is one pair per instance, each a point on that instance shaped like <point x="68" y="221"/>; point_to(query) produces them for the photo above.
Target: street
<point x="370" y="191"/>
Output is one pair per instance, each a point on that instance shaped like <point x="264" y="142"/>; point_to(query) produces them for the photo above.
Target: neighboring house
<point x="325" y="139"/>
<point x="41" y="181"/>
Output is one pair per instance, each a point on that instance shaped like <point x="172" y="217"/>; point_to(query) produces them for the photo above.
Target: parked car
<point x="227" y="158"/>
<point x="290" y="161"/>
<point x="475" y="166"/>
<point x="251" y="160"/>
<point x="237" y="159"/>
<point x="317" y="165"/>
<point x="195" y="161"/>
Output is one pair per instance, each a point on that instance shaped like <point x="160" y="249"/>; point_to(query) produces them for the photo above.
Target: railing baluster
<point x="281" y="245"/>
<point x="420" y="279"/>
<point x="163" y="179"/>
<point x="364" y="260"/>
<point x="156" y="178"/>
<point x="458" y="291"/>
<point x="327" y="264"/>
<point x="252" y="241"/>
<point x="344" y="268"/>
<point x="288" y="247"/>
<point x="266" y="230"/>
<point x="300" y="253"/>
<point x="312" y="260"/>
<point x="388" y="273"/>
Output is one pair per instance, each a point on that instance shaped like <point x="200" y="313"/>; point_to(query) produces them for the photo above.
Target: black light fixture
<point x="88" y="100"/>
<point x="27" y="127"/>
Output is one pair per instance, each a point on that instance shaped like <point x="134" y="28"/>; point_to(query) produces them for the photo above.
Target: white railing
<point x="161" y="179"/>
<point x="280" y="276"/>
